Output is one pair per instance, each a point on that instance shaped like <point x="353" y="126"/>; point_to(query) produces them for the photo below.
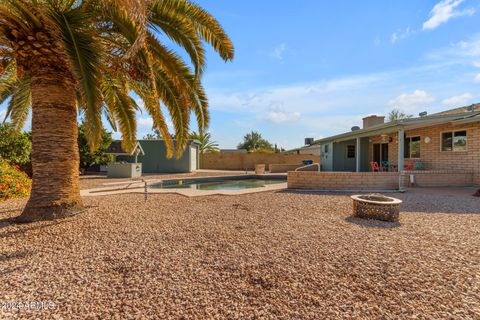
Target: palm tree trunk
<point x="55" y="157"/>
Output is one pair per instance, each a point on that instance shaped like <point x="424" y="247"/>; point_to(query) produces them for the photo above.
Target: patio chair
<point x="375" y="167"/>
<point x="419" y="165"/>
<point x="409" y="165"/>
<point x="385" y="165"/>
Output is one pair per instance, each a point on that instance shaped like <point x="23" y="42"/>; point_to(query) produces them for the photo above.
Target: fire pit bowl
<point x="376" y="206"/>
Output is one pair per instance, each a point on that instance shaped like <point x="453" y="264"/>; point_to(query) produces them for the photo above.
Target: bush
<point x="13" y="182"/>
<point x="15" y="147"/>
<point x="97" y="157"/>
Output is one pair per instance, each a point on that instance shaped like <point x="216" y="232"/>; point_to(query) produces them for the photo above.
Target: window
<point x="412" y="147"/>
<point x="454" y="141"/>
<point x="325" y="148"/>
<point x="350" y="151"/>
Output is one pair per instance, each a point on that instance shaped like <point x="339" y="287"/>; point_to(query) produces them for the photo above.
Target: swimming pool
<point x="221" y="183"/>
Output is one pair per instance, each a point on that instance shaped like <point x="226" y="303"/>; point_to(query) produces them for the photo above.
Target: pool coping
<point x="138" y="186"/>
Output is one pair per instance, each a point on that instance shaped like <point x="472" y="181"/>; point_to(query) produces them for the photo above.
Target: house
<point x="313" y="150"/>
<point x="445" y="141"/>
<point x="309" y="148"/>
<point x="154" y="159"/>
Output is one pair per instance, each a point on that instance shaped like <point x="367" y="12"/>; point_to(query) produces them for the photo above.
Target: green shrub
<point x="13" y="182"/>
<point x="97" y="157"/>
<point x="15" y="147"/>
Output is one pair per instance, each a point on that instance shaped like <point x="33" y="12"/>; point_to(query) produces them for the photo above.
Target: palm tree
<point x="253" y="141"/>
<point x="204" y="140"/>
<point x="60" y="56"/>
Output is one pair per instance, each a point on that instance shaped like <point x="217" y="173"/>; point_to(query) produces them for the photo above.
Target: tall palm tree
<point x="58" y="57"/>
<point x="253" y="141"/>
<point x="204" y="140"/>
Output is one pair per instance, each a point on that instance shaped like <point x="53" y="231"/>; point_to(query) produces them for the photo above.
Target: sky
<point x="311" y="68"/>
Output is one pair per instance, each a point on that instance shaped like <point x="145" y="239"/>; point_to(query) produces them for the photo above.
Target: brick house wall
<point x="432" y="156"/>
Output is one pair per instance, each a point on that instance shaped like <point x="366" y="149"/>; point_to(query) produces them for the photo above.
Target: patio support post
<point x="401" y="146"/>
<point x="357" y="155"/>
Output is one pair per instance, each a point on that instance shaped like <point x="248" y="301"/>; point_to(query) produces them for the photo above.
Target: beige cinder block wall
<point x="242" y="161"/>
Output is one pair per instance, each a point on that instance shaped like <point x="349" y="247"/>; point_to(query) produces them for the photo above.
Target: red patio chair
<point x="375" y="167"/>
<point x="409" y="165"/>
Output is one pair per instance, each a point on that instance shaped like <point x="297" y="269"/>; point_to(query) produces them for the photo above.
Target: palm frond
<point x="183" y="33"/>
<point x="122" y="109"/>
<point x="152" y="106"/>
<point x="178" y="108"/>
<point x="206" y="26"/>
<point x="20" y="102"/>
<point x="84" y="51"/>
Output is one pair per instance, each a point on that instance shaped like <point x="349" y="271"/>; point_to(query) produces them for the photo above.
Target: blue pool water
<point x="225" y="183"/>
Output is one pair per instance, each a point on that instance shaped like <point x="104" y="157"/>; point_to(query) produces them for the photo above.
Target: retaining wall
<point x="242" y="161"/>
<point x="376" y="180"/>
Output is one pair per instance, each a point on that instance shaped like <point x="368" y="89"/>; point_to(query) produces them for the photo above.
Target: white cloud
<point x="466" y="52"/>
<point x="444" y="11"/>
<point x="410" y="102"/>
<point x="148" y="122"/>
<point x="477" y="78"/>
<point x="459" y="100"/>
<point x="278" y="52"/>
<point x="400" y="35"/>
<point x="282" y="116"/>
<point x="469" y="48"/>
<point x="145" y="122"/>
<point x="302" y="98"/>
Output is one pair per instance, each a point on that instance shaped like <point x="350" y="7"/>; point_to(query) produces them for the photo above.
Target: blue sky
<point x="312" y="68"/>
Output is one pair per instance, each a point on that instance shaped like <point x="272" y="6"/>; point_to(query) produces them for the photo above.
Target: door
<point x="193" y="158"/>
<point x="380" y="152"/>
<point x="376" y="153"/>
<point x="384" y="156"/>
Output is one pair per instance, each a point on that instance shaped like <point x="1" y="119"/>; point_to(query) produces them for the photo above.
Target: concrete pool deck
<point x="138" y="186"/>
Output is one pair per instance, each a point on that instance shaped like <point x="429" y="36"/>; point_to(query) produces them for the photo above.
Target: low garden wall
<point x="439" y="178"/>
<point x="276" y="168"/>
<point x="377" y="180"/>
<point x="343" y="180"/>
<point x="242" y="161"/>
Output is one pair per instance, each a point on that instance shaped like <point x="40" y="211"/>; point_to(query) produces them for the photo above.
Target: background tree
<point x="204" y="140"/>
<point x="15" y="146"/>
<point x="253" y="142"/>
<point x="397" y="114"/>
<point x="90" y="158"/>
<point x="154" y="135"/>
<point x="57" y="57"/>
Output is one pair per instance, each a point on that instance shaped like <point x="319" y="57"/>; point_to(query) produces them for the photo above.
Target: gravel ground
<point x="278" y="255"/>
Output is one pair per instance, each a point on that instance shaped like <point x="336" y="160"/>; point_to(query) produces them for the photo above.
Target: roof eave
<point x="387" y="127"/>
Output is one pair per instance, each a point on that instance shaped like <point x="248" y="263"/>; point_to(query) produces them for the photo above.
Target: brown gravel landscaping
<point x="277" y="255"/>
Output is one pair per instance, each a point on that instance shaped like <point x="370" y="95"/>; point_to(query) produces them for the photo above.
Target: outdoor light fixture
<point x="427" y="140"/>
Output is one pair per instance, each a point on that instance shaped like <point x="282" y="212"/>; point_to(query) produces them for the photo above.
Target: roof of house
<point x="117" y="149"/>
<point x="312" y="146"/>
<point x="471" y="108"/>
<point x="461" y="115"/>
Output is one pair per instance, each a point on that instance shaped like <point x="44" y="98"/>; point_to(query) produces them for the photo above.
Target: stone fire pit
<point x="376" y="206"/>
